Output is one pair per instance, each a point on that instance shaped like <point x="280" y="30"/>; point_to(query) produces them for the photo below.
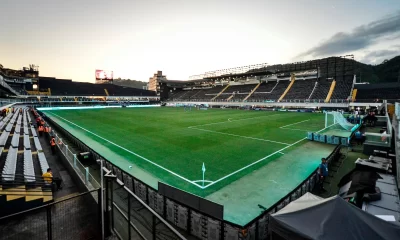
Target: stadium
<point x="228" y="154"/>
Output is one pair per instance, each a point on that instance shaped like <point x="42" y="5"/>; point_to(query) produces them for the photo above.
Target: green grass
<point x="224" y="140"/>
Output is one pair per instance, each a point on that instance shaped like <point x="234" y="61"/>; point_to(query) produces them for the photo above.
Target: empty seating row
<point x="70" y="88"/>
<point x="43" y="162"/>
<point x="15" y="140"/>
<point x="3" y="138"/>
<point x="29" y="172"/>
<point x="10" y="165"/>
<point x="34" y="134"/>
<point x="37" y="144"/>
<point x="301" y="89"/>
<point x="27" y="142"/>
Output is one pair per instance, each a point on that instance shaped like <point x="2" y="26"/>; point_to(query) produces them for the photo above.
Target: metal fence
<point x="74" y="218"/>
<point x="82" y="171"/>
<point x="131" y="218"/>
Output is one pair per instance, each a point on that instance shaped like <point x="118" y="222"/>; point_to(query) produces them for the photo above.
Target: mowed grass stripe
<point x="162" y="136"/>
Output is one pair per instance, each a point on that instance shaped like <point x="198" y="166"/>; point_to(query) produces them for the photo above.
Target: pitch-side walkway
<point x="270" y="183"/>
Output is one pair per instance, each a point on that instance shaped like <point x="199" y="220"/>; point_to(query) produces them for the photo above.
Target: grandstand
<point x="324" y="79"/>
<point x="22" y="163"/>
<point x="62" y="87"/>
<point x="374" y="92"/>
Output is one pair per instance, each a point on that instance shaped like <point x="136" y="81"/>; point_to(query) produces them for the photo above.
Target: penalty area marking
<point x="296" y="129"/>
<point x="294" y="123"/>
<point x="234" y="135"/>
<point x="207" y="181"/>
<point x="133" y="153"/>
<point x="260" y="160"/>
<point x="242" y="119"/>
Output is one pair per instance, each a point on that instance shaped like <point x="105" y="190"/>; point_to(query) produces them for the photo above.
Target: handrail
<point x="152" y="211"/>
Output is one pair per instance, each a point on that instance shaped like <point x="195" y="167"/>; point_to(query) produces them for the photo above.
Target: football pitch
<point x="172" y="145"/>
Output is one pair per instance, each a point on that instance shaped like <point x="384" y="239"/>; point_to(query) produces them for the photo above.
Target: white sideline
<point x="242" y="119"/>
<point x="262" y="159"/>
<point x="234" y="135"/>
<point x="294" y="123"/>
<point x="137" y="155"/>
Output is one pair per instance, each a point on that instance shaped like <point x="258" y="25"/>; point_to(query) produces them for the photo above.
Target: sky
<point x="135" y="38"/>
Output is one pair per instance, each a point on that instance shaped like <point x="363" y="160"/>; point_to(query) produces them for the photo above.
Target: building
<point x="155" y="80"/>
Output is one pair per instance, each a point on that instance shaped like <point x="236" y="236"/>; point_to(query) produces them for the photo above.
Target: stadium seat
<point x="29" y="172"/>
<point x="43" y="162"/>
<point x="10" y="165"/>
<point x="37" y="144"/>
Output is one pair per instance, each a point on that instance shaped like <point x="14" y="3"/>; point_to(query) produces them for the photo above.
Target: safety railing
<point x="344" y="101"/>
<point x="82" y="171"/>
<point x="132" y="218"/>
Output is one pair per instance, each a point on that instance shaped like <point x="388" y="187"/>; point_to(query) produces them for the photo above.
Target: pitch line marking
<point x="261" y="159"/>
<point x="296" y="129"/>
<point x="133" y="153"/>
<point x="242" y="119"/>
<point x="234" y="135"/>
<point x="208" y="181"/>
<point x="295" y="123"/>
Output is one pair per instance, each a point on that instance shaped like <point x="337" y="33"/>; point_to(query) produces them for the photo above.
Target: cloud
<point x="376" y="57"/>
<point x="359" y="38"/>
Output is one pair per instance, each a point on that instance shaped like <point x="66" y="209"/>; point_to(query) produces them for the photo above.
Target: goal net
<point x="337" y="119"/>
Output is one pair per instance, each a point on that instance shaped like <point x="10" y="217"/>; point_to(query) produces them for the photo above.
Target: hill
<point x="387" y="71"/>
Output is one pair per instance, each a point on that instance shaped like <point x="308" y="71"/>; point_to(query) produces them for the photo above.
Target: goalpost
<point x="337" y="118"/>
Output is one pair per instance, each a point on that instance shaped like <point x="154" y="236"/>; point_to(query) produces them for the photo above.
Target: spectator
<point x="54" y="181"/>
<point x="41" y="129"/>
<point x="53" y="145"/>
<point x="48" y="176"/>
<point x="322" y="173"/>
<point x="359" y="137"/>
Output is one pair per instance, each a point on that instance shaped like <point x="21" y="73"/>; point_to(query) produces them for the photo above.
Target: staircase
<point x="229" y="98"/>
<point x="19" y="198"/>
<point x="353" y="95"/>
<point x="106" y="91"/>
<point x="292" y="79"/>
<point x="315" y="87"/>
<point x="223" y="90"/>
<point x="251" y="93"/>
<point x="328" y="97"/>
